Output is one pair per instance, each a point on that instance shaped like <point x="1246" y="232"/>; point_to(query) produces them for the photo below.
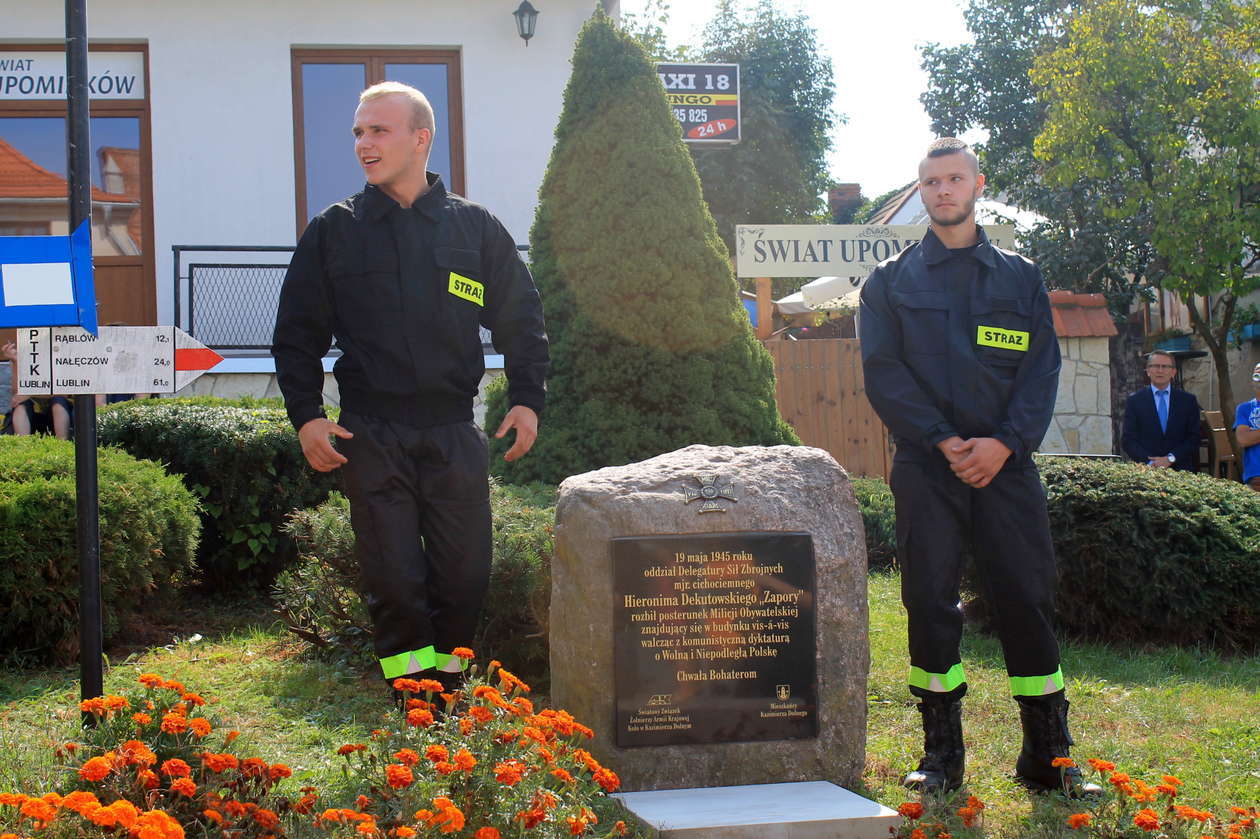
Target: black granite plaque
<point x="714" y="638"/>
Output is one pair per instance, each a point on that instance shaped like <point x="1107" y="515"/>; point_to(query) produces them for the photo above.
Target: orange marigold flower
<point x="481" y="713"/>
<point x="278" y="771"/>
<point x="71" y="747"/>
<point x="531" y="818"/>
<point x="607" y="779"/>
<point x="975" y="803"/>
<point x="419" y="718"/>
<point x="464" y="653"/>
<point x="231" y="735"/>
<point x="576" y="826"/>
<point x="429" y="686"/>
<point x="968" y="816"/>
<point x="141" y="719"/>
<point x="1078" y="820"/>
<point x="1172" y="779"/>
<point x="1146" y="819"/>
<point x="155" y="824"/>
<point x="174" y="724"/>
<point x="176" y="768"/>
<point x="911" y="810"/>
<point x="507" y="681"/>
<point x="1063" y="763"/>
<point x="253" y="767"/>
<point x="12" y="799"/>
<point x="80" y="802"/>
<point x="200" y="726"/>
<point x="437" y="752"/>
<point x="193" y="699"/>
<point x="487" y="833"/>
<point x="398" y="776"/>
<point x="1102" y="765"/>
<point x="267" y="818"/>
<point x="563" y="775"/>
<point x="1118" y="778"/>
<point x="120" y="813"/>
<point x="918" y="833"/>
<point x="147" y="779"/>
<point x="135" y="752"/>
<point x="525" y="707"/>
<point x="1166" y="789"/>
<point x="95" y="769"/>
<point x="39" y="811"/>
<point x="213" y="815"/>
<point x="116" y="703"/>
<point x="402" y="832"/>
<point x="95" y="705"/>
<point x="465" y="760"/>
<point x="171" y="684"/>
<point x="466" y="725"/>
<point x="362" y="801"/>
<point x="150" y="680"/>
<point x="444" y="767"/>
<point x="235" y="809"/>
<point x="509" y="772"/>
<point x="305" y="804"/>
<point x="407" y="685"/>
<point x="351" y="748"/>
<point x="219" y="762"/>
<point x="407" y="757"/>
<point x="184" y="786"/>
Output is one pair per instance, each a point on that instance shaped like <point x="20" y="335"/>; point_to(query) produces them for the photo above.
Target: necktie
<point x="1161" y="404"/>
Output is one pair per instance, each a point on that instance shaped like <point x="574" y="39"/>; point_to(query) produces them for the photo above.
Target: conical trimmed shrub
<point x="651" y="348"/>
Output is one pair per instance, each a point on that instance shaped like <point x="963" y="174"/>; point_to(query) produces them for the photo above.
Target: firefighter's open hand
<point x="982" y="457"/>
<point x="525" y="421"/>
<point x="315" y="437"/>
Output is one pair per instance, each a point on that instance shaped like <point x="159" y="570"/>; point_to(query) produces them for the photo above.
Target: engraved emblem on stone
<point x="711" y="489"/>
<point x="660" y="699"/>
<point x="783" y="692"/>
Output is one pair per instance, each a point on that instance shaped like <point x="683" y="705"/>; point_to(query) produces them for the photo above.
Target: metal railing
<point x="231" y="305"/>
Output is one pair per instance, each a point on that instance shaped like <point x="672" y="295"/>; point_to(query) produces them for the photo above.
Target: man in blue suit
<point x="1161" y="424"/>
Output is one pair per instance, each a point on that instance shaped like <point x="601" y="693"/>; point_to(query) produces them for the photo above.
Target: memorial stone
<point x="709" y="617"/>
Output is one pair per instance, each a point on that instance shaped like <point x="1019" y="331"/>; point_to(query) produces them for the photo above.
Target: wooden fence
<point x="820" y="391"/>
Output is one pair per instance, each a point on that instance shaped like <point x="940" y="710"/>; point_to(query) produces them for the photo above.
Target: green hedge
<point x="244" y="463"/>
<point x="320" y="598"/>
<point x="148" y="532"/>
<point x="879" y="519"/>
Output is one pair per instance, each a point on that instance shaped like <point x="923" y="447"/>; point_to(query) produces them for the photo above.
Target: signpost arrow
<point x="120" y="359"/>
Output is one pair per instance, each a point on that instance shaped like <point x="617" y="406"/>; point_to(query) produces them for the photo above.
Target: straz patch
<point x="470" y="290"/>
<point x="1003" y="339"/>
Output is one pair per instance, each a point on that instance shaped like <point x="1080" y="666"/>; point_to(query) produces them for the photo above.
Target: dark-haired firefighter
<point x="404" y="275"/>
<point x="962" y="364"/>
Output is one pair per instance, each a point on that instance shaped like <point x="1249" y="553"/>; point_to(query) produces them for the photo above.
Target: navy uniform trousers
<point x="420" y="507"/>
<point x="1008" y="530"/>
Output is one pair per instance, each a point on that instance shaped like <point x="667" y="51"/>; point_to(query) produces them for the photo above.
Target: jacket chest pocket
<point x="460" y="280"/>
<point x="1003" y="330"/>
<point x="924" y="317"/>
<point x="366" y="282"/>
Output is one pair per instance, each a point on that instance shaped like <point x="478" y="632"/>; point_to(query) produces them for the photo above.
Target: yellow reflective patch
<point x="471" y="290"/>
<point x="1005" y="339"/>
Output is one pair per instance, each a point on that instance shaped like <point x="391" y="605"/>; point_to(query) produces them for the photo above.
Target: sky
<point x="874" y="51"/>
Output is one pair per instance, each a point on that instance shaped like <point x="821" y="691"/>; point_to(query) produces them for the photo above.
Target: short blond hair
<point x="421" y="110"/>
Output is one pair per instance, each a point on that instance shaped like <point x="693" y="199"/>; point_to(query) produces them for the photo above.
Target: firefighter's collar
<point x="934" y="252"/>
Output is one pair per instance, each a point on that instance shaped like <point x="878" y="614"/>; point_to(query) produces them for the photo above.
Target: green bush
<point x="244" y="463"/>
<point x="879" y="519"/>
<point x="148" y="533"/>
<point x="320" y="597"/>
<point x="651" y="346"/>
<point x="1154" y="555"/>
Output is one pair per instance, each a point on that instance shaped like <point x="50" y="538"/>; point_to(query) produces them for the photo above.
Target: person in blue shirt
<point x="1247" y="429"/>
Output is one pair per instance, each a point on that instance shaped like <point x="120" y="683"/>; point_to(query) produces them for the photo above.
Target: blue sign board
<point x="47" y="280"/>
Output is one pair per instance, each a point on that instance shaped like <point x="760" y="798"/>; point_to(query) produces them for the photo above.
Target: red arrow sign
<point x="201" y="358"/>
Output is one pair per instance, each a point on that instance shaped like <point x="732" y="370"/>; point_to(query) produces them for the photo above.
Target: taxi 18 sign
<point x="704" y="99"/>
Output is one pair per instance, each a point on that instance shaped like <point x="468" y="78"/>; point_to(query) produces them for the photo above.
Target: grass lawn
<point x="1151" y="711"/>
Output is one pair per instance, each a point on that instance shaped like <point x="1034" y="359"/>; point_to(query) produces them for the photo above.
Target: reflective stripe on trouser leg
<point x="405" y="664"/>
<point x="938" y="682"/>
<point x="930" y="526"/>
<point x="1037" y="685"/>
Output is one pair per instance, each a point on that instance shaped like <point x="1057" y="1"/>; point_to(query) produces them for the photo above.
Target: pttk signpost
<point x="118" y="359"/>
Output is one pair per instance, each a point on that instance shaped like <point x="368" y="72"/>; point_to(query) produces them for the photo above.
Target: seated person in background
<point x="35" y="414"/>
<point x="1161" y="424"/>
<point x="1247" y="428"/>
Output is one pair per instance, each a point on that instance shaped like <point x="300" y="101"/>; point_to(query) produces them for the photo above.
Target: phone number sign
<point x="704" y="99"/>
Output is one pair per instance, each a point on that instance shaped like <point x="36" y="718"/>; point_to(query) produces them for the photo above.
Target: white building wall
<point x="221" y="88"/>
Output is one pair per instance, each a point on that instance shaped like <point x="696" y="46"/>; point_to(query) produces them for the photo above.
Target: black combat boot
<point x="941" y="769"/>
<point x="1046" y="737"/>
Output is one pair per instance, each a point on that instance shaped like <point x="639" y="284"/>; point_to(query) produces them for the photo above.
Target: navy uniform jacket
<point x="1142" y="438"/>
<point x="405" y="292"/>
<point x="944" y="358"/>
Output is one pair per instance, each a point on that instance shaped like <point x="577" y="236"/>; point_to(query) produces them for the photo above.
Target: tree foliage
<point x="651" y="348"/>
<point x="1160" y="105"/>
<point x="777" y="174"/>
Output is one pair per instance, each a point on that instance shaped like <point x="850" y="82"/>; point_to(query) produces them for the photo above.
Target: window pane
<point x="330" y="93"/>
<point x="32" y="176"/>
<point x="430" y="79"/>
<point x="33" y="188"/>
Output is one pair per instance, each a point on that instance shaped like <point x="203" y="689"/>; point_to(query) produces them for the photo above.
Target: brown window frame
<point x="139" y="108"/>
<point x="375" y="59"/>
